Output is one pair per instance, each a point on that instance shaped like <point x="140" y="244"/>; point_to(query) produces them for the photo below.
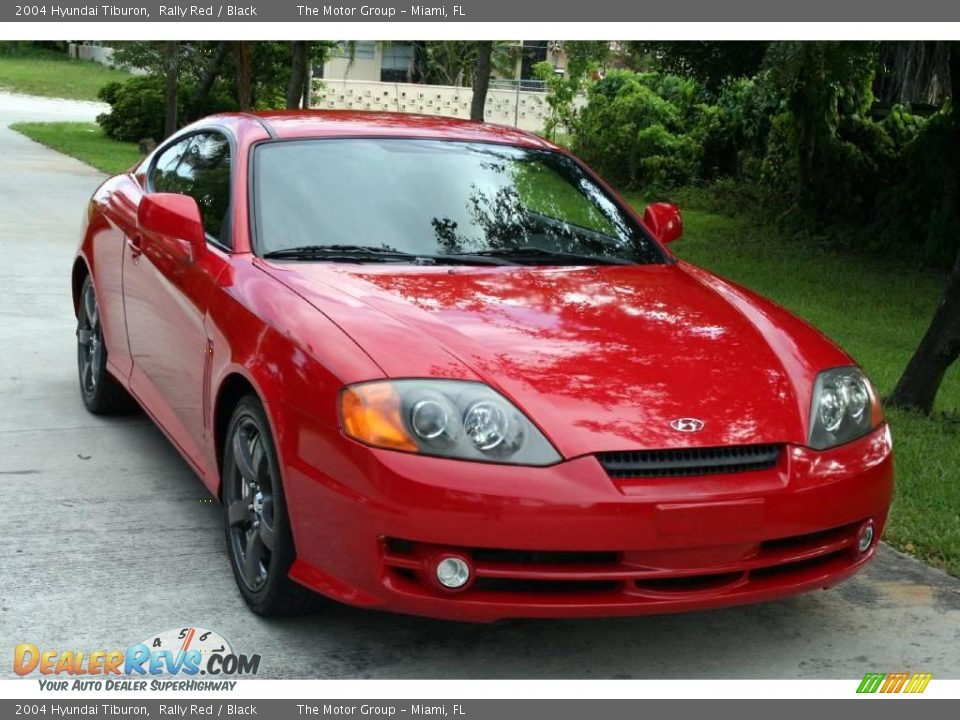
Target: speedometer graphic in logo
<point x="182" y="640"/>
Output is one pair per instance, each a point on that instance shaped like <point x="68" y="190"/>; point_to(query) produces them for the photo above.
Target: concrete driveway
<point x="108" y="537"/>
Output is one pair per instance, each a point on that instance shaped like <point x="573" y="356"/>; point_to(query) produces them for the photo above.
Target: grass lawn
<point x="876" y="311"/>
<point x="84" y="141"/>
<point x="35" y="71"/>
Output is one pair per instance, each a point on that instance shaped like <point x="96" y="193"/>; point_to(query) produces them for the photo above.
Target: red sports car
<point x="439" y="367"/>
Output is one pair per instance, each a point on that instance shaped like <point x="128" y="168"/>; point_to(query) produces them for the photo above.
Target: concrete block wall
<point x="525" y="109"/>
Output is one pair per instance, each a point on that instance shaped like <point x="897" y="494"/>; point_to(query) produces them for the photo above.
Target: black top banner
<point x="486" y="11"/>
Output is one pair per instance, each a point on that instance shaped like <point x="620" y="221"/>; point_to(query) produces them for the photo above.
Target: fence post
<point x="516" y="108"/>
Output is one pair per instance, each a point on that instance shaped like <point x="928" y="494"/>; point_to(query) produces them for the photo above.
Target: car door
<point x="167" y="292"/>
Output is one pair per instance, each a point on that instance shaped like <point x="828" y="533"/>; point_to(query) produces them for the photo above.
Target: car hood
<point x="601" y="358"/>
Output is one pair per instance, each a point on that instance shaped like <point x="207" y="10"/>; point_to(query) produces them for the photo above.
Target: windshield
<point x="436" y="198"/>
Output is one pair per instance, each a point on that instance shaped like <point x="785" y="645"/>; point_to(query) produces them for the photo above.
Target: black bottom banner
<point x="617" y="709"/>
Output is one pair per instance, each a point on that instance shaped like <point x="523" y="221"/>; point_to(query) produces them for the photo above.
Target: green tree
<point x="820" y="85"/>
<point x="711" y="62"/>
<point x="583" y="58"/>
<point x="940" y="346"/>
<point x="481" y="79"/>
<point x="171" y="72"/>
<point x="298" y="89"/>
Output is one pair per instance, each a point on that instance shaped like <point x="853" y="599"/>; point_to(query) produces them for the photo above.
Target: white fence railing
<point x="97" y="53"/>
<point x="524" y="109"/>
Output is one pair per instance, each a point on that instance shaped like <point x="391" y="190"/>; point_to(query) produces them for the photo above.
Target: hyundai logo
<point x="687" y="425"/>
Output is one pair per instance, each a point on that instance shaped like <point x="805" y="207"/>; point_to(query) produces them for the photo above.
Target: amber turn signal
<point x="370" y="413"/>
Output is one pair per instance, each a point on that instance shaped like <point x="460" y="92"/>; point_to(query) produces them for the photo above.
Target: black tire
<point x="100" y="391"/>
<point x="255" y="520"/>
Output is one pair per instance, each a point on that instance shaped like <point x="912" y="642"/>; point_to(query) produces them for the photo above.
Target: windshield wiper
<point x="535" y="253"/>
<point x="370" y="253"/>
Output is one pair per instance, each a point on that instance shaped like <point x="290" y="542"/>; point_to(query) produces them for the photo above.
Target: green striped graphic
<point x="871" y="682"/>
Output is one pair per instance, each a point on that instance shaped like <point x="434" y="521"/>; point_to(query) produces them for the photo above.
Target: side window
<point x="206" y="164"/>
<point x="164" y="178"/>
<point x="200" y="167"/>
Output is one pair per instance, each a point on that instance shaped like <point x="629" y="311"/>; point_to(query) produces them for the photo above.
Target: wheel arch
<point x="79" y="273"/>
<point x="234" y="386"/>
<point x="237" y="382"/>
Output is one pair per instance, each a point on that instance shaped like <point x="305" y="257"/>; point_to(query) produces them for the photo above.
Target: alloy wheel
<point x="89" y="342"/>
<point x="250" y="508"/>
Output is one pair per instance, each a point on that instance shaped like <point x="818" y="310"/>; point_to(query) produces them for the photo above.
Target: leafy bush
<point x="584" y="58"/>
<point x="746" y="108"/>
<point x="137" y="107"/>
<point x="798" y="139"/>
<point x="911" y="213"/>
<point x="634" y="129"/>
<point x="659" y="131"/>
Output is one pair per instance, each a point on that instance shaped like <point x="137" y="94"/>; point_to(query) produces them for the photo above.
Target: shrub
<point x="634" y="129"/>
<point x="910" y="213"/>
<point x="137" y="107"/>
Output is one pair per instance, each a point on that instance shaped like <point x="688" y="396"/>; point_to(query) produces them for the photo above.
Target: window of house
<point x="362" y="50"/>
<point x="397" y="65"/>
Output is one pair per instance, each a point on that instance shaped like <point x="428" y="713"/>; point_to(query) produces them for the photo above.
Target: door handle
<point x="134" y="241"/>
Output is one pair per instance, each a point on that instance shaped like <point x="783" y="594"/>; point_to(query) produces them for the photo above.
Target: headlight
<point x="845" y="407"/>
<point x="448" y="418"/>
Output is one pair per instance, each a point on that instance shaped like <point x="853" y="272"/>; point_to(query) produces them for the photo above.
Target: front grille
<point x="690" y="461"/>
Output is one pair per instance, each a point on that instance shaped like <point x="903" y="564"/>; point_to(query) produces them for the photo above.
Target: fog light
<point x="453" y="572"/>
<point x="866" y="537"/>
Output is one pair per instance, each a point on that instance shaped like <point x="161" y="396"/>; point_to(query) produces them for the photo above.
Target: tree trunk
<point x="307" y="78"/>
<point x="241" y="58"/>
<point x="940" y="346"/>
<point x="917" y="388"/>
<point x="171" y="71"/>
<point x="481" y="80"/>
<point x="915" y="71"/>
<point x="208" y="77"/>
<point x="297" y="70"/>
<point x="806" y="165"/>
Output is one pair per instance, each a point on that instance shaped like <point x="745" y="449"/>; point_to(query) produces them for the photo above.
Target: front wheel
<point x="259" y="540"/>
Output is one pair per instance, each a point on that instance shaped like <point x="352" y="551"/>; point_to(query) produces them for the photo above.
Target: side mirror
<point x="174" y="220"/>
<point x="664" y="221"/>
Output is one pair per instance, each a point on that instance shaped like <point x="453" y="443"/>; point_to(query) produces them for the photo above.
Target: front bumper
<point x="569" y="541"/>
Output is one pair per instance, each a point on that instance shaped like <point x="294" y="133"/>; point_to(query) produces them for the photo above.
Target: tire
<point x="100" y="391"/>
<point x="255" y="520"/>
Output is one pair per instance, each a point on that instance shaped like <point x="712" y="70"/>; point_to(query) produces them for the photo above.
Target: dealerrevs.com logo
<point x="171" y="660"/>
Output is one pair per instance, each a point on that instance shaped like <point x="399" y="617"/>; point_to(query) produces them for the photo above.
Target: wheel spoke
<point x="251" y="559"/>
<point x="87" y="375"/>
<point x="241" y="453"/>
<point x="238" y="512"/>
<point x="90" y="307"/>
<point x="267" y="535"/>
<point x="256" y="458"/>
<point x="95" y="361"/>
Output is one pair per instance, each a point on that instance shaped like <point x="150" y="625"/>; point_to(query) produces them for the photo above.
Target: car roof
<point x="290" y="124"/>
